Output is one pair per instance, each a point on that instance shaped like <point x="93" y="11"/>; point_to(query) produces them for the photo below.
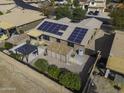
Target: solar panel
<point x="52" y="27"/>
<point x="77" y="35"/>
<point x="26" y="49"/>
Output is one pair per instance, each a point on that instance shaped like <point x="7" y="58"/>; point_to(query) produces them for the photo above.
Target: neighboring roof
<point x="65" y="20"/>
<point x="116" y="59"/>
<point x="16" y="40"/>
<point x="91" y="24"/>
<point x="34" y="33"/>
<point x="116" y="64"/>
<point x="117" y="49"/>
<point x="6" y="25"/>
<point x="21" y="17"/>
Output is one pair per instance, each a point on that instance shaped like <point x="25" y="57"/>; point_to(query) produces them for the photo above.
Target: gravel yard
<point x="18" y="78"/>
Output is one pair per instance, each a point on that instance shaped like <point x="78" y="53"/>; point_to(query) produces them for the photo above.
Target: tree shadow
<point x="25" y="5"/>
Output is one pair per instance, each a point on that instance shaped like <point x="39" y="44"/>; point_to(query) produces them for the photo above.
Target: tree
<point x="70" y="80"/>
<point x="78" y="14"/>
<point x="118" y="18"/>
<point x="76" y="3"/>
<point x="41" y="65"/>
<point x="53" y="71"/>
<point x="63" y="11"/>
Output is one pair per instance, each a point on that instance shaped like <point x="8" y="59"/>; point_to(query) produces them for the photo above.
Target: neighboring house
<point x="84" y="3"/>
<point x="60" y="2"/>
<point x="63" y="37"/>
<point x="96" y="9"/>
<point x="20" y="21"/>
<point x="97" y="5"/>
<point x="115" y="63"/>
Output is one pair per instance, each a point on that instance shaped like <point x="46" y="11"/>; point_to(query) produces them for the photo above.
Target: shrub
<point x="70" y="80"/>
<point x="41" y="65"/>
<point x="2" y="48"/>
<point x="1" y="13"/>
<point x="53" y="71"/>
<point x="16" y="56"/>
<point x="8" y="45"/>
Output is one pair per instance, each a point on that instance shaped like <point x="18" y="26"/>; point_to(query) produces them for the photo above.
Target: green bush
<point x="1" y="13"/>
<point x="54" y="71"/>
<point x="78" y="14"/>
<point x="41" y="65"/>
<point x="8" y="45"/>
<point x="70" y="80"/>
<point x="16" y="56"/>
<point x="63" y="11"/>
<point x="2" y="48"/>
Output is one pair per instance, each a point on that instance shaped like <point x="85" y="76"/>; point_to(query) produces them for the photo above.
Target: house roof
<point x="116" y="64"/>
<point x="116" y="58"/>
<point x="6" y="25"/>
<point x="91" y="24"/>
<point x="21" y="17"/>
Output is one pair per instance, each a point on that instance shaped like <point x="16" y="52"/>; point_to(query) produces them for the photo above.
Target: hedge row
<point x="6" y="46"/>
<point x="66" y="78"/>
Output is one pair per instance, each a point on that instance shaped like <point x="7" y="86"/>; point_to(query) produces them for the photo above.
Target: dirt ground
<point x="18" y="78"/>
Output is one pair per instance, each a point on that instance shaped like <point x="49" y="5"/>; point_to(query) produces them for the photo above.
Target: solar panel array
<point x="77" y="35"/>
<point x="52" y="27"/>
<point x="26" y="49"/>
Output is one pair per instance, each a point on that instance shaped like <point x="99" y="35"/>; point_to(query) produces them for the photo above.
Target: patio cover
<point x="116" y="64"/>
<point x="59" y="48"/>
<point x="26" y="49"/>
<point x="6" y="25"/>
<point x="34" y="33"/>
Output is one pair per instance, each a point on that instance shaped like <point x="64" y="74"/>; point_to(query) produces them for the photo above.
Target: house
<point x="97" y="5"/>
<point x="20" y="21"/>
<point x="115" y="63"/>
<point x="64" y="38"/>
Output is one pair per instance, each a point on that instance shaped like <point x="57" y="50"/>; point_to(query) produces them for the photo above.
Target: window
<point x="92" y="3"/>
<point x="58" y="40"/>
<point x="46" y="37"/>
<point x="70" y="44"/>
<point x="31" y="37"/>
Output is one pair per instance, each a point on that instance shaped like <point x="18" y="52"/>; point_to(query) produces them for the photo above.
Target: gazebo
<point x="26" y="50"/>
<point x="59" y="51"/>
